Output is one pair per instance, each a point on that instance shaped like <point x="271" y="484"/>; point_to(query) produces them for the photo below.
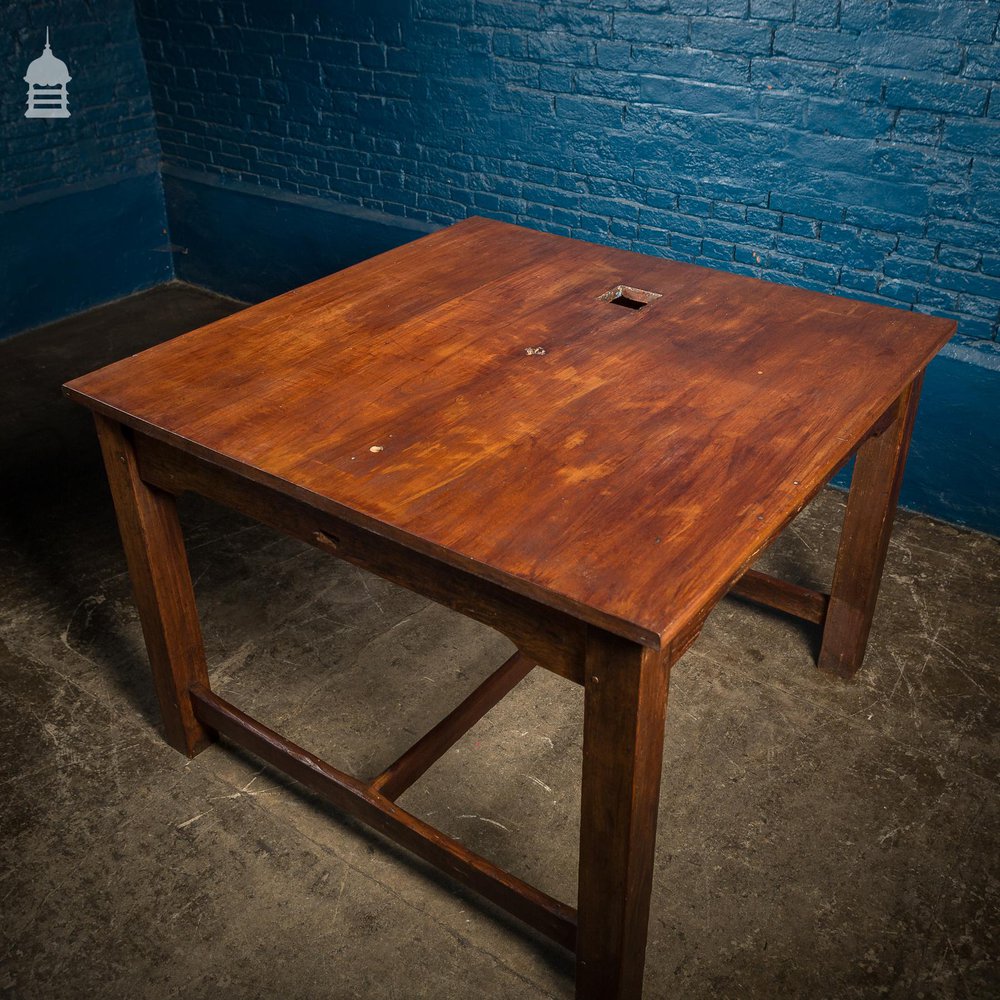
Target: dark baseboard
<point x="68" y="253"/>
<point x="252" y="244"/>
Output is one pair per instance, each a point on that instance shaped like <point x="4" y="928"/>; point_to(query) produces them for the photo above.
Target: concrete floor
<point x="817" y="839"/>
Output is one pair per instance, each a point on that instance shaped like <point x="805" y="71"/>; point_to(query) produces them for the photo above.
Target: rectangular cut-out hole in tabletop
<point x="629" y="298"/>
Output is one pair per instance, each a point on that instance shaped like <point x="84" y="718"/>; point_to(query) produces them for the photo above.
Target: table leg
<point x="624" y="710"/>
<point x="871" y="507"/>
<point x="161" y="583"/>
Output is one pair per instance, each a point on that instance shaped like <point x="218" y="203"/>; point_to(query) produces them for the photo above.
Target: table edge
<point x="624" y="627"/>
<point x="656" y="637"/>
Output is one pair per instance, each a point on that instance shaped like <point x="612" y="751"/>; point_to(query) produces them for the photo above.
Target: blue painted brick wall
<point x="845" y="145"/>
<point x="111" y="131"/>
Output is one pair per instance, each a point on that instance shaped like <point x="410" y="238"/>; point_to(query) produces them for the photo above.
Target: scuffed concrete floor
<point x="816" y="838"/>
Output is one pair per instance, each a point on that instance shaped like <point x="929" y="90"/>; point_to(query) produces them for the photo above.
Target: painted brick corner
<point x="82" y="213"/>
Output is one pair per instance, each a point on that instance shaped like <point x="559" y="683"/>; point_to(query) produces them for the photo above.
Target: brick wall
<point x="82" y="213"/>
<point x="110" y="132"/>
<point x="844" y="145"/>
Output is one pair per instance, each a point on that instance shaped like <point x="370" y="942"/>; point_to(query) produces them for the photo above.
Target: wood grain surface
<point x="471" y="395"/>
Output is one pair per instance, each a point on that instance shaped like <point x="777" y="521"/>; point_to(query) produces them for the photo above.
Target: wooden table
<point x="581" y="447"/>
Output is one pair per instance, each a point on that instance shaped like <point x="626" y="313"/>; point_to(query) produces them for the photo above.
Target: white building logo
<point x="46" y="79"/>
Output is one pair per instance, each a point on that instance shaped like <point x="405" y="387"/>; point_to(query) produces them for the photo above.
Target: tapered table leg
<point x="624" y="710"/>
<point x="161" y="583"/>
<point x="871" y="507"/>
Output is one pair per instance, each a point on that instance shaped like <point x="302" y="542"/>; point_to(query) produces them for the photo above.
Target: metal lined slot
<point x="629" y="298"/>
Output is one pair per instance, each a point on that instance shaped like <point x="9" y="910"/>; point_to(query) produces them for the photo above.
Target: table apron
<point x="552" y="638"/>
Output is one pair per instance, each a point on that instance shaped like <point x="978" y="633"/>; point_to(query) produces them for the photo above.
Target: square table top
<point x="472" y="396"/>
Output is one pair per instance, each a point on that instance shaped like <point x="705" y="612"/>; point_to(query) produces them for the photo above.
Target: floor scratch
<point x="484" y="819"/>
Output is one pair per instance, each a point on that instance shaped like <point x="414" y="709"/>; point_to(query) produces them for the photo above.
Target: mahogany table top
<point x="471" y="395"/>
